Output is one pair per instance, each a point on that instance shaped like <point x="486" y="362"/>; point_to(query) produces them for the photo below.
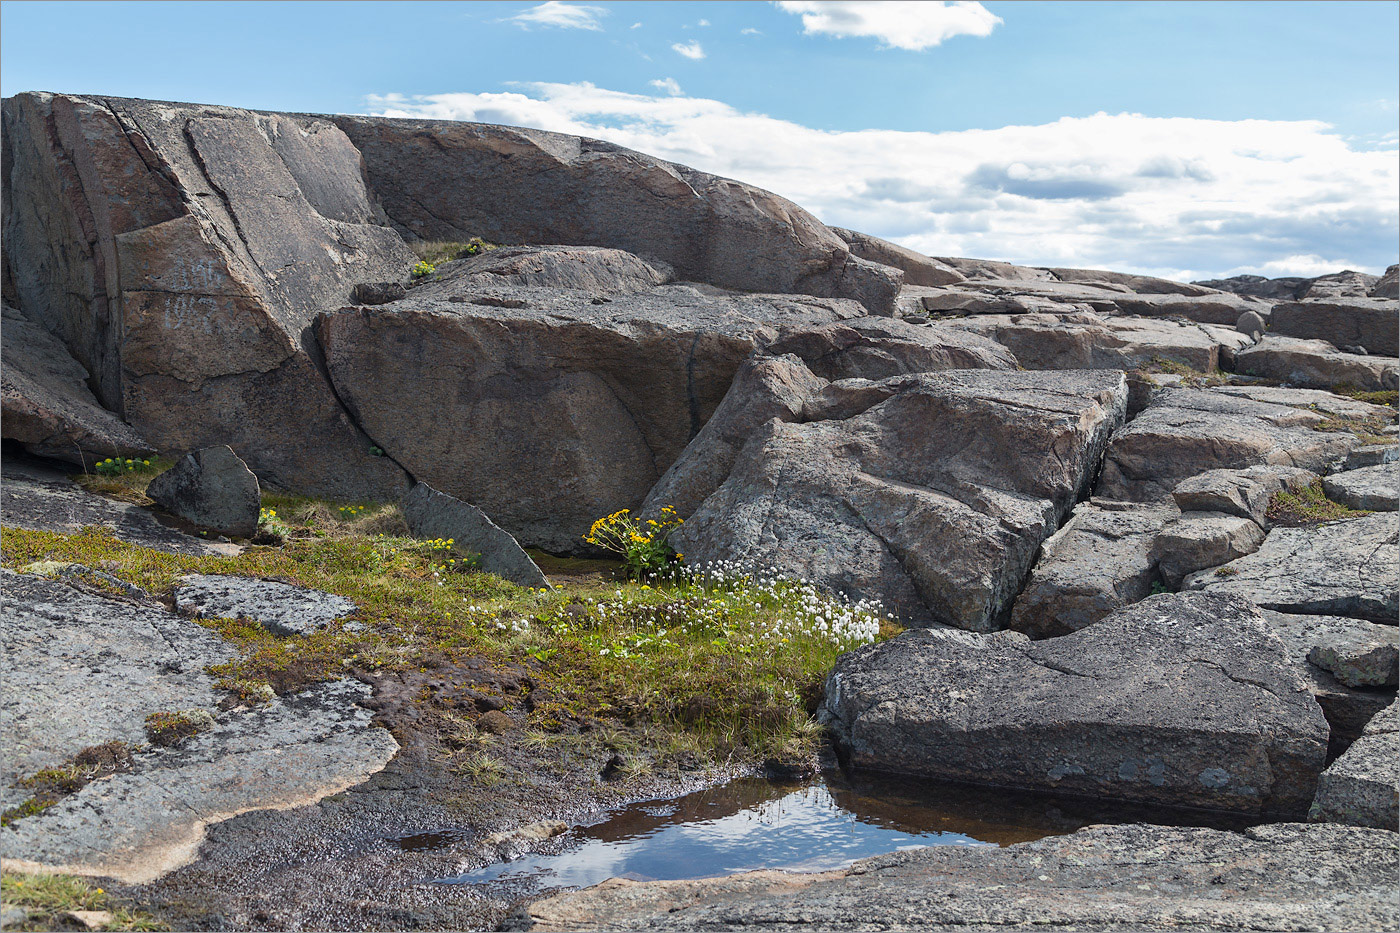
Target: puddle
<point x="823" y="824"/>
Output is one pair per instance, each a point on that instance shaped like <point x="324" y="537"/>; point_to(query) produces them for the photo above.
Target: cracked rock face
<point x="1362" y="788"/>
<point x="1315" y="364"/>
<point x="211" y="487"/>
<point x="900" y="490"/>
<point x="1185" y="699"/>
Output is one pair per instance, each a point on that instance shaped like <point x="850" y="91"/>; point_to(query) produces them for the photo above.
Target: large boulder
<point x="1257" y="286"/>
<point x="902" y="490"/>
<point x="1362" y="788"/>
<point x="213" y="488"/>
<point x="877" y="347"/>
<point x="1198" y="540"/>
<point x="1344" y="284"/>
<point x="1373" y="323"/>
<point x="592" y="269"/>
<point x="180" y="253"/>
<point x="1346" y="568"/>
<point x="432" y="514"/>
<point x="1315" y="364"/>
<point x="444" y="180"/>
<point x="1372" y="488"/>
<point x="1243" y="493"/>
<point x="47" y="404"/>
<point x="1183" y="700"/>
<point x="918" y="269"/>
<point x="1388" y="286"/>
<point x="1184" y="432"/>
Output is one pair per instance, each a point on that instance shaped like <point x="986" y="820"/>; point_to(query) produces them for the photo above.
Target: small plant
<point x="1308" y="506"/>
<point x="117" y="467"/>
<point x="423" y="268"/>
<point x="47" y="898"/>
<point x="1227" y="571"/>
<point x="271" y="529"/>
<point x="644" y="546"/>
<point x="482" y="768"/>
<point x="377" y="451"/>
<point x="168" y="729"/>
<point x="475" y="246"/>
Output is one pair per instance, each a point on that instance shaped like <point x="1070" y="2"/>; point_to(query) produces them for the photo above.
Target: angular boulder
<point x="1199" y="540"/>
<point x="1181" y="700"/>
<point x="1362" y="788"/>
<point x="1244" y="493"/>
<point x="1345" y="284"/>
<point x="1346" y="568"/>
<point x="513" y="185"/>
<point x="1315" y="364"/>
<point x="1101" y="560"/>
<point x="1085" y="340"/>
<point x="1373" y="323"/>
<point x="47" y="404"/>
<point x="432" y="514"/>
<point x="1388" y="286"/>
<point x="901" y="490"/>
<point x="1372" y="455"/>
<point x="212" y="488"/>
<point x="918" y="269"/>
<point x="877" y="347"/>
<point x="1184" y="432"/>
<point x="1372" y="488"/>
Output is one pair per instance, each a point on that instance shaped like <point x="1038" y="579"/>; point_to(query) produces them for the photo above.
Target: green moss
<point x="1193" y="378"/>
<point x="434" y="252"/>
<point x="1389" y="397"/>
<point x="1310" y="506"/>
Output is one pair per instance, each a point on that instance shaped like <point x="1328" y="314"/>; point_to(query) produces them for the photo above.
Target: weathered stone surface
<point x="1348" y="709"/>
<point x="47" y="405"/>
<point x="1362" y="788"/>
<point x="1327" y="403"/>
<point x="876" y="348"/>
<point x="38" y="498"/>
<point x="1245" y="493"/>
<point x="575" y="408"/>
<point x="281" y="608"/>
<point x="1251" y="323"/>
<point x="1373" y="488"/>
<point x="140" y="825"/>
<point x="1344" y="284"/>
<point x="1347" y="568"/>
<point x="1184" y="432"/>
<point x="1388" y="286"/>
<point x="432" y="514"/>
<point x="1361" y="654"/>
<point x="80" y="670"/>
<point x="1084" y="340"/>
<point x="1220" y="309"/>
<point x="511" y="185"/>
<point x="1186" y="699"/>
<point x="1140" y="284"/>
<point x="991" y="269"/>
<point x="1101" y="559"/>
<point x="1110" y="878"/>
<point x="901" y="490"/>
<point x="918" y="269"/>
<point x="377" y="293"/>
<point x="1314" y="364"/>
<point x="211" y="487"/>
<point x="1372" y="455"/>
<point x="180" y="252"/>
<point x="1373" y="323"/>
<point x="1199" y="540"/>
<point x="592" y="269"/>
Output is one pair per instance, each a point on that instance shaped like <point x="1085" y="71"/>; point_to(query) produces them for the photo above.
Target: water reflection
<point x="824" y="824"/>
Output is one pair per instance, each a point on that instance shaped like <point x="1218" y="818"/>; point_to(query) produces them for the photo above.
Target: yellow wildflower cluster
<point x="352" y="511"/>
<point x="644" y="545"/>
<point x="115" y="466"/>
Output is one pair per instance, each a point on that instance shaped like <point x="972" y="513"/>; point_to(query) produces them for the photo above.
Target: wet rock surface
<point x="432" y="514"/>
<point x="1349" y="567"/>
<point x="1362" y="788"/>
<point x="212" y="487"/>
<point x="281" y="608"/>
<point x="1186" y="700"/>
<point x="1133" y="877"/>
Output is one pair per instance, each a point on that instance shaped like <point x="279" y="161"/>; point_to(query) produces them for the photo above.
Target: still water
<point x="823" y="824"/>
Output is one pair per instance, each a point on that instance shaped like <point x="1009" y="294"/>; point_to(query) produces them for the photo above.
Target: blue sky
<point x="1189" y="139"/>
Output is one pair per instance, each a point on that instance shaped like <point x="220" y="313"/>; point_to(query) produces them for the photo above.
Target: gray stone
<point x="212" y="487"/>
<point x="1184" y="432"/>
<point x="281" y="608"/>
<point x="1139" y="284"/>
<point x="377" y="293"/>
<point x="12" y="916"/>
<point x="1217" y="308"/>
<point x="1363" y="654"/>
<point x="877" y="347"/>
<point x="1252" y="324"/>
<point x="1182" y="700"/>
<point x="1315" y="364"/>
<point x="512" y="185"/>
<point x="38" y="498"/>
<point x="1388" y="285"/>
<point x="1348" y="568"/>
<point x="80" y="670"/>
<point x="1199" y="540"/>
<point x="432" y="514"/>
<point x="47" y="405"/>
<point x="140" y="825"/>
<point x="1099" y="561"/>
<point x="1362" y="788"/>
<point x="1326" y="403"/>
<point x="900" y="490"/>
<point x="1337" y="285"/>
<point x="1084" y="340"/>
<point x="1109" y="878"/>
<point x="918" y="269"/>
<point x="1258" y="286"/>
<point x="1245" y="493"/>
<point x="991" y="269"/>
<point x="592" y="269"/>
<point x="1372" y="488"/>
<point x="1373" y="323"/>
<point x="1372" y="455"/>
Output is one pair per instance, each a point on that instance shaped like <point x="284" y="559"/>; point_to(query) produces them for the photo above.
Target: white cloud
<point x="750" y="31"/>
<point x="703" y="22"/>
<point x="1182" y="197"/>
<point x="635" y="26"/>
<point x="900" y="24"/>
<point x="691" y="50"/>
<point x="562" y="15"/>
<point x="669" y="85"/>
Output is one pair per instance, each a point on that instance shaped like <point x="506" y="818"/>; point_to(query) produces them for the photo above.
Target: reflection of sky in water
<point x="802" y="830"/>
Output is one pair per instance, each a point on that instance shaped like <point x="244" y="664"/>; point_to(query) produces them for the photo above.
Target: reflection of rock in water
<point x="646" y="819"/>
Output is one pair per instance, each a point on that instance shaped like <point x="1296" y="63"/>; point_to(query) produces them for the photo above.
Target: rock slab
<point x="1370" y="489"/>
<point x="281" y="608"/>
<point x="432" y="514"/>
<point x="1362" y="788"/>
<point x="212" y="487"/>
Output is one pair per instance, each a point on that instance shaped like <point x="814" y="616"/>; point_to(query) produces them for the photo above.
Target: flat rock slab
<point x="1372" y="488"/>
<point x="433" y="514"/>
<point x="139" y="825"/>
<point x="41" y="499"/>
<point x="1315" y="364"/>
<point x="1117" y="878"/>
<point x="80" y="670"/>
<point x="212" y="487"/>
<point x="1362" y="788"/>
<point x="1244" y="493"/>
<point x="1099" y="561"/>
<point x="1372" y="455"/>
<point x="281" y="608"/>
<point x="1181" y="700"/>
<point x="1327" y="403"/>
<point x="1371" y="323"/>
<point x="1347" y="568"/>
<point x="1199" y="540"/>
<point x="1183" y="432"/>
<point x="902" y="490"/>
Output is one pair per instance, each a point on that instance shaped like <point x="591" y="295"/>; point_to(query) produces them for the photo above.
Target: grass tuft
<point x="1309" y="506"/>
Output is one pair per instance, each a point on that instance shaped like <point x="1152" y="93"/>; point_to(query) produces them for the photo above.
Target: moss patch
<point x="1310" y="506"/>
<point x="53" y="784"/>
<point x="1191" y="378"/>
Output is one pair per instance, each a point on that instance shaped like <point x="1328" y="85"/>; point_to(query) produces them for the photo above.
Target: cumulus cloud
<point x="670" y="85"/>
<point x="750" y="31"/>
<point x="561" y="15"/>
<point x="1181" y="197"/>
<point x="691" y="50"/>
<point x="913" y="25"/>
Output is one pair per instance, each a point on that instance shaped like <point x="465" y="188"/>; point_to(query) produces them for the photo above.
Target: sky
<point x="1186" y="139"/>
